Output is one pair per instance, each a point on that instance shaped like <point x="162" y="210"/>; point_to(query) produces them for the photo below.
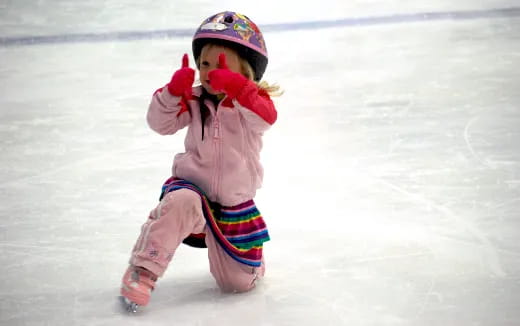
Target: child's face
<point x="209" y="61"/>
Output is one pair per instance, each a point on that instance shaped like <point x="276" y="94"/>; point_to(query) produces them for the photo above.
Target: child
<point x="208" y="201"/>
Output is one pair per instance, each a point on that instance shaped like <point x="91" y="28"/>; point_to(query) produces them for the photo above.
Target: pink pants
<point x="178" y="215"/>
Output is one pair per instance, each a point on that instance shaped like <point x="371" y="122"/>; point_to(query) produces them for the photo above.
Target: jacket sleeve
<point x="167" y="114"/>
<point x="256" y="107"/>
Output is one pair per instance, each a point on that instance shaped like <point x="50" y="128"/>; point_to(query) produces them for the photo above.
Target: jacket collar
<point x="199" y="93"/>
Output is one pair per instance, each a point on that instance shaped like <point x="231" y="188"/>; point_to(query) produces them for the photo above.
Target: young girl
<point x="208" y="201"/>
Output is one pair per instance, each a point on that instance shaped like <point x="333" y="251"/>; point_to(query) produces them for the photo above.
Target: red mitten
<point x="224" y="80"/>
<point x="182" y="80"/>
<point x="246" y="92"/>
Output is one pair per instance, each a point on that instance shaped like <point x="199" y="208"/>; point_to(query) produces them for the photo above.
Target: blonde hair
<point x="248" y="72"/>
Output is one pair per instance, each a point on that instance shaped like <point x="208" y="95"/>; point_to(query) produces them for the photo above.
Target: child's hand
<point x="182" y="80"/>
<point x="224" y="80"/>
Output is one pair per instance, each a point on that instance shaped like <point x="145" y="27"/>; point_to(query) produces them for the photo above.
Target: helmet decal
<point x="213" y="27"/>
<point x="243" y="30"/>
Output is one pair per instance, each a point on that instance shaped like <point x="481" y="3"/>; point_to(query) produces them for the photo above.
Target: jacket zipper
<point x="216" y="143"/>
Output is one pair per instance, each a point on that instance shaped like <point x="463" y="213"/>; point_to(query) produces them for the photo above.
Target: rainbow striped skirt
<point x="240" y="230"/>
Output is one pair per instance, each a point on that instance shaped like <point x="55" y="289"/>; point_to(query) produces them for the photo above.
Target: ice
<point x="392" y="186"/>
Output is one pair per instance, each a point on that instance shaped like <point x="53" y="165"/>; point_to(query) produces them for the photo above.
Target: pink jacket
<point x="225" y="164"/>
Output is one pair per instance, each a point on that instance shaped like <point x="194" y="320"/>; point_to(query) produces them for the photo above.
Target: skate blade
<point x="128" y="305"/>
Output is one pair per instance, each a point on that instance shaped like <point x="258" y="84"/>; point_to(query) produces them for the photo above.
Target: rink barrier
<point x="266" y="28"/>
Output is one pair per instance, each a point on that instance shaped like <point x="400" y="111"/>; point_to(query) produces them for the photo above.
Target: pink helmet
<point x="235" y="31"/>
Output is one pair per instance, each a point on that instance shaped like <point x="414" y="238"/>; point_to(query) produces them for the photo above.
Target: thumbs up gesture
<point x="182" y="80"/>
<point x="225" y="80"/>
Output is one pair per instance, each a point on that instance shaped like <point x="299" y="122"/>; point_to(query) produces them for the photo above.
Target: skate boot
<point x="137" y="287"/>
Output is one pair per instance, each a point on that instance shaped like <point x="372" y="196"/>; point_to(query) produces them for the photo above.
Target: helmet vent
<point x="229" y="19"/>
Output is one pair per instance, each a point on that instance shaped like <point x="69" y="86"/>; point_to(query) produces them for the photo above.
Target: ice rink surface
<point x="392" y="186"/>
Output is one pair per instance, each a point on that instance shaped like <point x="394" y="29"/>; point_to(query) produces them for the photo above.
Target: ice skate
<point x="136" y="288"/>
<point x="128" y="305"/>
